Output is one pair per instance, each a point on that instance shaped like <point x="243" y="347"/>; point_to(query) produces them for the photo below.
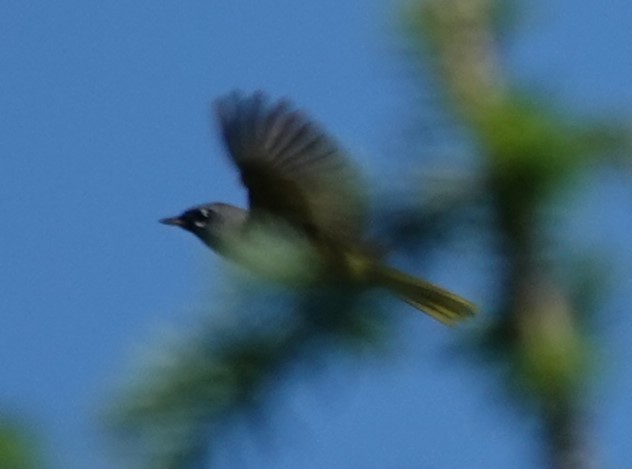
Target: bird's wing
<point x="291" y="168"/>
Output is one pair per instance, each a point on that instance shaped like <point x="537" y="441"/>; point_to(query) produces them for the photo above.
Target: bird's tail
<point x="435" y="301"/>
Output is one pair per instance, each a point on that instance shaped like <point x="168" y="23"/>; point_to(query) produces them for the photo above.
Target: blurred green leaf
<point x="18" y="448"/>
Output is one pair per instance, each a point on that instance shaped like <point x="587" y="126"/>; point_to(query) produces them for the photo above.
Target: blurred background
<point x="495" y="137"/>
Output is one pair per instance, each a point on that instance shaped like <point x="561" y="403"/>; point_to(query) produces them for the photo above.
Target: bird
<point x="306" y="208"/>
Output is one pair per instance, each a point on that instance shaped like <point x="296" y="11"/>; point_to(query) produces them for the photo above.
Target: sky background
<point x="105" y="128"/>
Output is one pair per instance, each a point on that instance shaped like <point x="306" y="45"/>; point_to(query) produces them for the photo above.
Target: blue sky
<point x="105" y="128"/>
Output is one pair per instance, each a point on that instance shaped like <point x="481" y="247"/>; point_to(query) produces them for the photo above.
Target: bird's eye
<point x="200" y="217"/>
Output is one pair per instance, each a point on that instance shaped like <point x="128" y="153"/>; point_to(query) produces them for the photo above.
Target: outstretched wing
<point x="291" y="168"/>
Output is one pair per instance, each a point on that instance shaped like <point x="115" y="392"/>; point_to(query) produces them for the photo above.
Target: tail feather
<point x="442" y="305"/>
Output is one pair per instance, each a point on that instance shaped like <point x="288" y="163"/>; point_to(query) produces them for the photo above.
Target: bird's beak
<point x="173" y="221"/>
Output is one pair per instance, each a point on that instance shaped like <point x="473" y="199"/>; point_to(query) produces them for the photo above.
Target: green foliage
<point x="539" y="340"/>
<point x="531" y="147"/>
<point x="541" y="354"/>
<point x="193" y="390"/>
<point x="18" y="449"/>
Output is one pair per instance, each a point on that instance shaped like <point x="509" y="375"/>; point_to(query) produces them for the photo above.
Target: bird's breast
<point x="277" y="253"/>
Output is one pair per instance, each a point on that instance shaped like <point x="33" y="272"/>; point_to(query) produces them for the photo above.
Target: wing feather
<point x="291" y="168"/>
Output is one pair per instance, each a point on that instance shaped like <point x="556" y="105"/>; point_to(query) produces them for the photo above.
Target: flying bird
<point x="306" y="209"/>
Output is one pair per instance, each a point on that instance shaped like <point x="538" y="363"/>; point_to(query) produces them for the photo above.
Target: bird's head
<point x="212" y="223"/>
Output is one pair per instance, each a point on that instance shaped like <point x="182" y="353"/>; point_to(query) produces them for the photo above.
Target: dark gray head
<point x="212" y="223"/>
